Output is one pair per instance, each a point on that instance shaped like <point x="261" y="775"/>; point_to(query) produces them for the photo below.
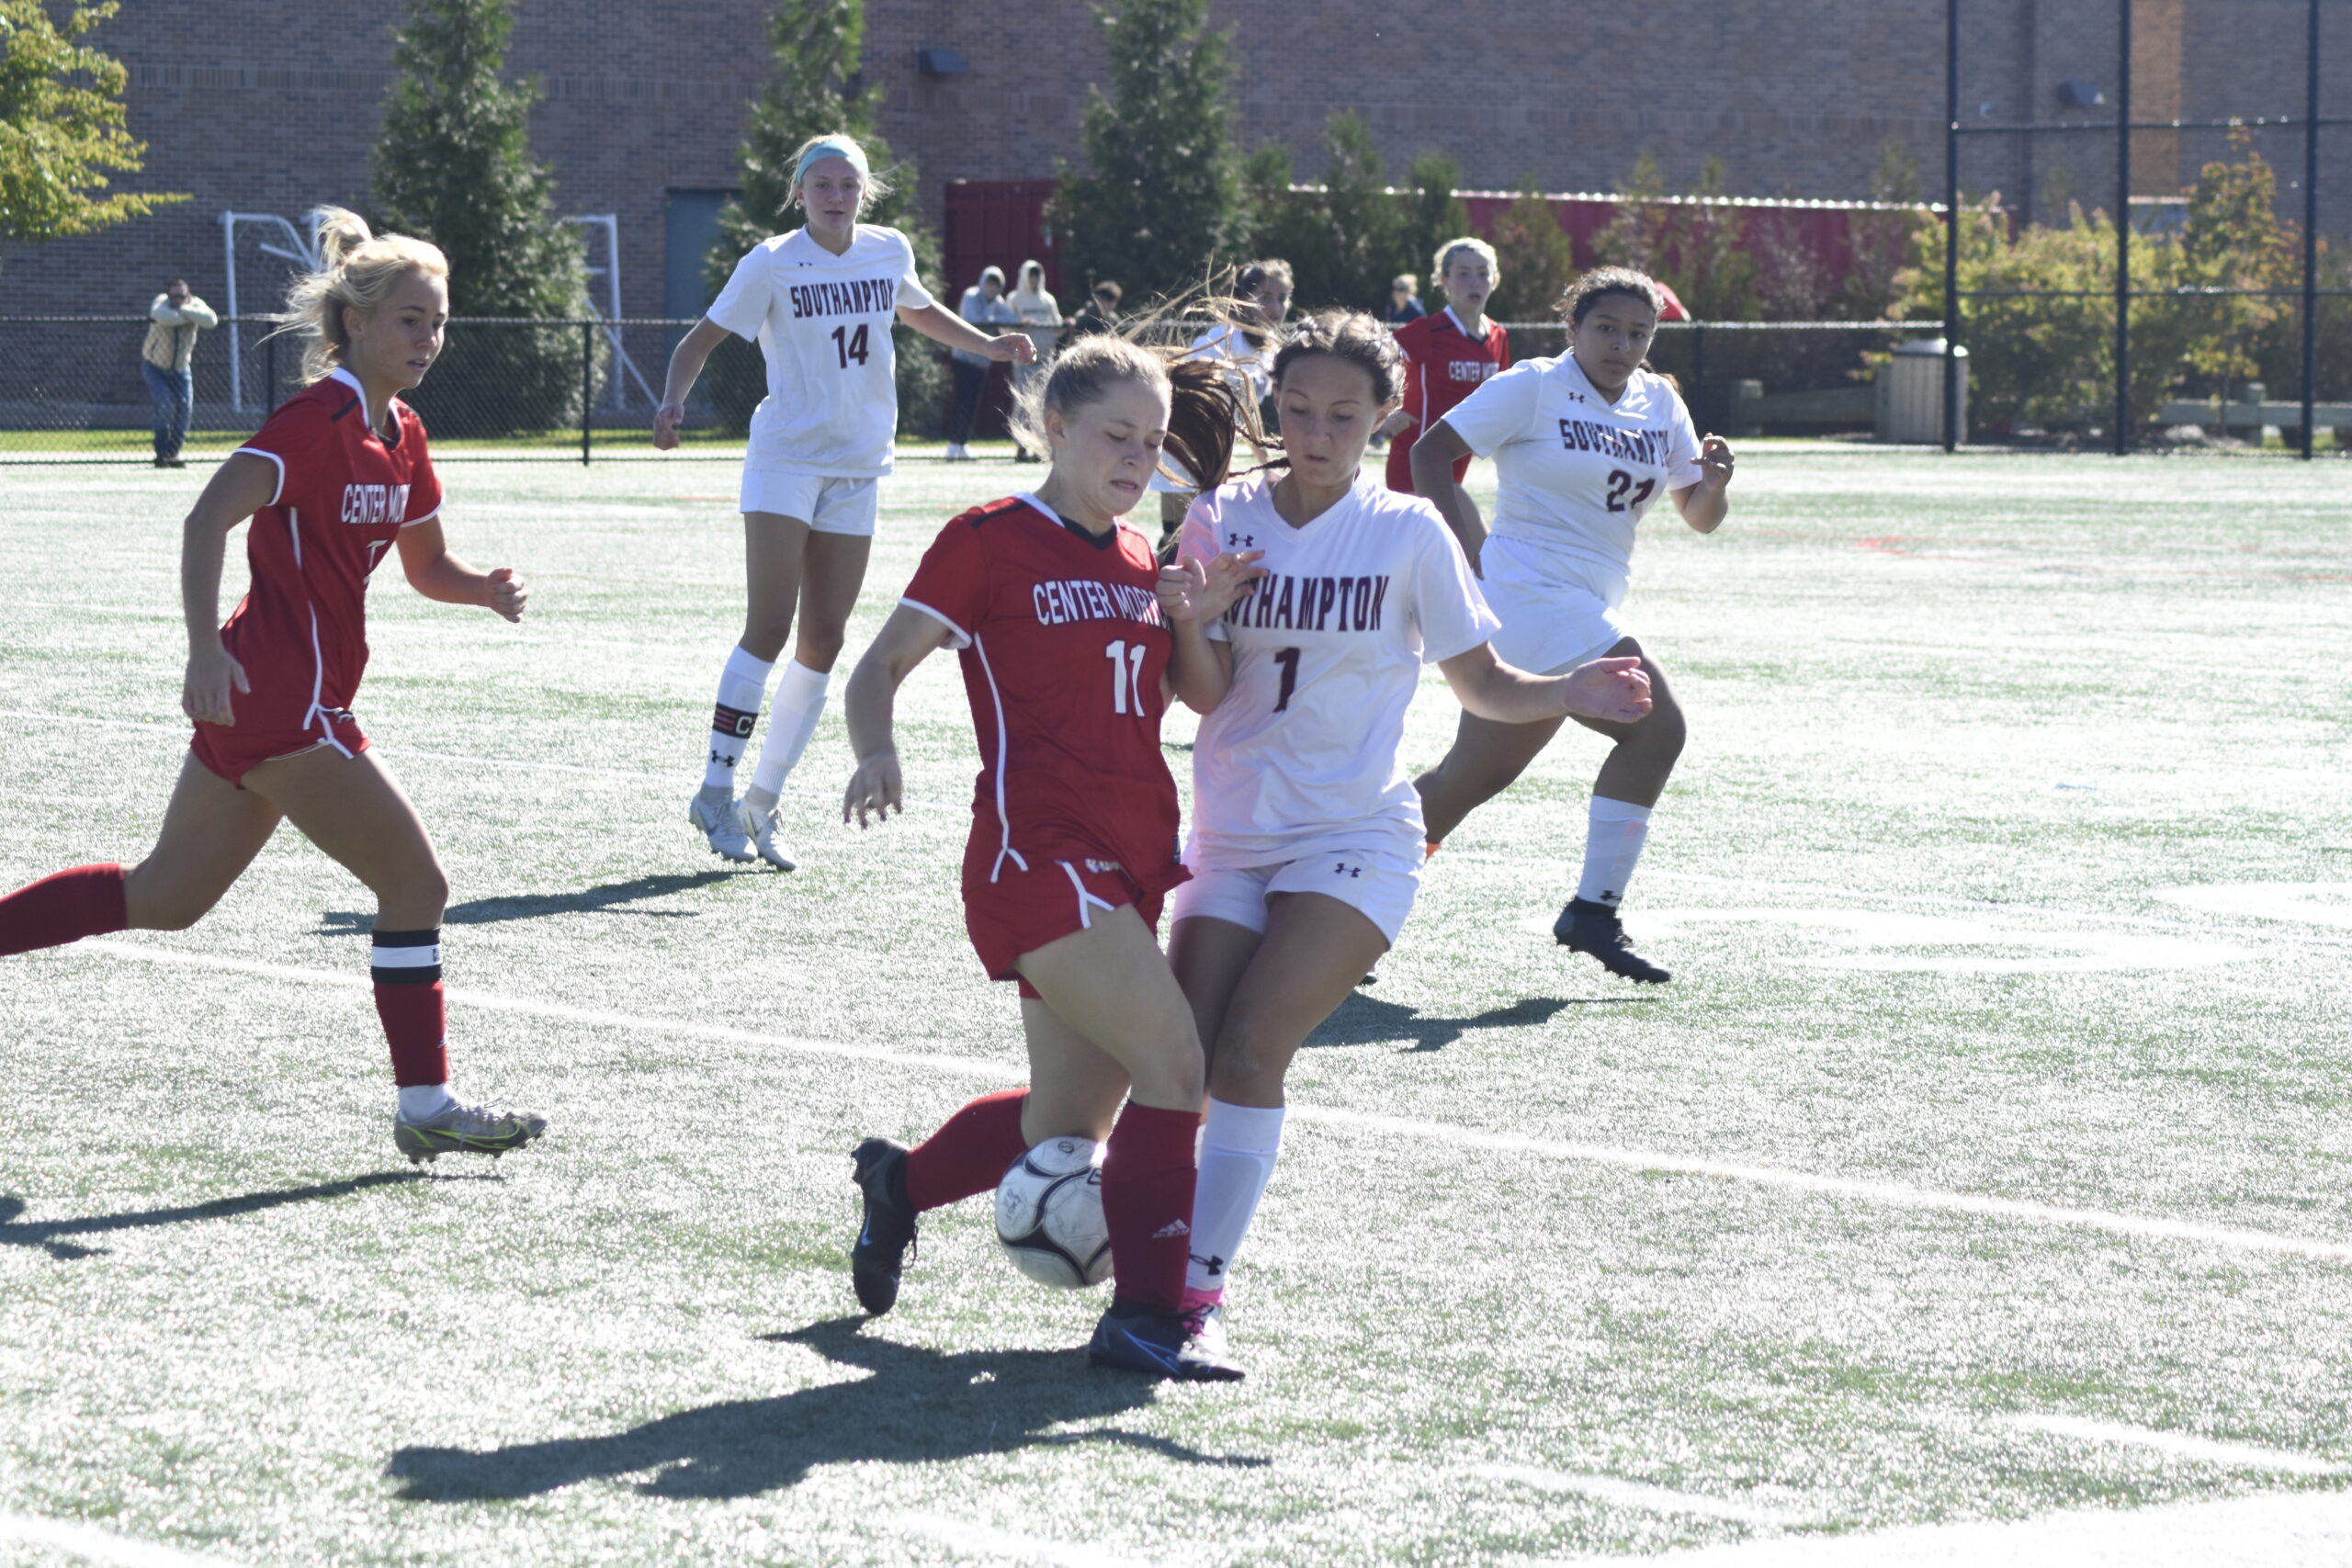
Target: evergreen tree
<point x="1536" y="260"/>
<point x="1368" y="236"/>
<point x="818" y="89"/>
<point x="453" y="165"/>
<point x="62" y="126"/>
<point x="1640" y="231"/>
<point x="1432" y="216"/>
<point x="1159" y="199"/>
<point x="1715" y="277"/>
<point x="1291" y="225"/>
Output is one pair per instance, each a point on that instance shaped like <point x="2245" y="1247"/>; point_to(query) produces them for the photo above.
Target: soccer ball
<point x="1049" y="1215"/>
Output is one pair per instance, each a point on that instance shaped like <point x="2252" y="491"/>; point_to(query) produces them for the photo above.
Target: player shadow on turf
<point x="45" y="1233"/>
<point x="1367" y="1020"/>
<point x="917" y="1407"/>
<point x="607" y="898"/>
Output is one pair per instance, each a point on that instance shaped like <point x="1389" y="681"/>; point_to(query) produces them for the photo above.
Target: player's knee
<point x="821" y="644"/>
<point x="1173" y="1073"/>
<point x="1663" y="733"/>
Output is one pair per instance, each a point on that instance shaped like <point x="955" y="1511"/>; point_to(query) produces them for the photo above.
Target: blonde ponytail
<point x="356" y="270"/>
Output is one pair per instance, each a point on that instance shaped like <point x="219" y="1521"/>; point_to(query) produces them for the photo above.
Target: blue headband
<point x="848" y="150"/>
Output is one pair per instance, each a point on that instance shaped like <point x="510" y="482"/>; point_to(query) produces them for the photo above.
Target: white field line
<point x="1891" y="1193"/>
<point x="98" y="1546"/>
<point x="403" y="752"/>
<point x="1639" y="1494"/>
<point x="2295" y="1528"/>
<point x="998" y="1072"/>
<point x="2180" y="1445"/>
<point x="992" y="1542"/>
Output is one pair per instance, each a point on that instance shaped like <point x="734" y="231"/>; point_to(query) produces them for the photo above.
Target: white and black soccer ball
<point x="1049" y="1215"/>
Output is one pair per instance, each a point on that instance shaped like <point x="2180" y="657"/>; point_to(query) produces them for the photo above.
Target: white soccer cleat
<point x="467" y="1129"/>
<point x="766" y="831"/>
<point x="722" y="822"/>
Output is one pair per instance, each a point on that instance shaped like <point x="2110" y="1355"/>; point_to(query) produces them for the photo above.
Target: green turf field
<point x="1981" y="1190"/>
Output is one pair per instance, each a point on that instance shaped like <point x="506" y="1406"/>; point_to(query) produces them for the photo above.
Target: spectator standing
<point x="1041" y="316"/>
<point x="985" y="306"/>
<point x="1101" y="311"/>
<point x="175" y="317"/>
<point x="1405" y="301"/>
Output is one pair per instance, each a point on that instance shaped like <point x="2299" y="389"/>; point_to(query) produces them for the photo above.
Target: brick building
<point x="271" y="106"/>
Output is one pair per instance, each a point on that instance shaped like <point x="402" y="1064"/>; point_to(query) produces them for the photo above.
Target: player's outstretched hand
<point x="205" y="693"/>
<point x="1014" y="347"/>
<point x="874" y="788"/>
<point x="1190" y="593"/>
<point x="508" y="593"/>
<point x="666" y="419"/>
<point x="1612" y="690"/>
<point x="1714" y="461"/>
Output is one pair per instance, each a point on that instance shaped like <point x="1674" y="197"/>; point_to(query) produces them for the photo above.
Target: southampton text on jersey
<point x="374" y="503"/>
<point x="1314" y="603"/>
<point x="1063" y="602"/>
<point x="858" y="297"/>
<point x="1614" y="441"/>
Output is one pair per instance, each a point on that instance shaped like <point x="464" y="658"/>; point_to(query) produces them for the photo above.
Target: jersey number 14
<point x="850" y="345"/>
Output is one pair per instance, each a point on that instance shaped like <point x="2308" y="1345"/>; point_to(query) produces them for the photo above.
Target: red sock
<point x="407" y="969"/>
<point x="1147" y="1177"/>
<point x="85" y="901"/>
<point x="970" y="1153"/>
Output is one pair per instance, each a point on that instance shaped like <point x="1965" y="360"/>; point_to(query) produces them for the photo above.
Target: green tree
<point x="1159" y="201"/>
<point x="62" y="126"/>
<point x="2234" y="238"/>
<point x="1295" y="225"/>
<point x="1714" y="278"/>
<point x="1640" y="232"/>
<point x="1535" y="259"/>
<point x="1433" y="215"/>
<point x="1883" y="240"/>
<point x="1343" y="241"/>
<point x="453" y="165"/>
<point x="818" y="89"/>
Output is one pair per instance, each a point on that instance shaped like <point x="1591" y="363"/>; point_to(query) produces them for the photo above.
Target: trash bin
<point x="1910" y="405"/>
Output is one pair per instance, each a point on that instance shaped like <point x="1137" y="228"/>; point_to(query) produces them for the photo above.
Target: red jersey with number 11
<point x="344" y="494"/>
<point x="1063" y="649"/>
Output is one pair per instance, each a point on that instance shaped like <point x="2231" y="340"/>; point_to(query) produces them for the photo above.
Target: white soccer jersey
<point x="822" y="322"/>
<point x="1300" y="757"/>
<point x="1575" y="472"/>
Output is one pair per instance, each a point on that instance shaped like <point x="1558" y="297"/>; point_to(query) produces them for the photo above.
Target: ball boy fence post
<point x="2310" y="122"/>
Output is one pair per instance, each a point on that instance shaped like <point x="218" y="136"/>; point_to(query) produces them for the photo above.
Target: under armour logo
<point x="1214" y="1265"/>
<point x="1241" y="541"/>
<point x="1573" y="393"/>
<point x="1343" y="869"/>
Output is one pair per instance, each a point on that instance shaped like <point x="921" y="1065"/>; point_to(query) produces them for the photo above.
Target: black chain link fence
<point x="71" y="388"/>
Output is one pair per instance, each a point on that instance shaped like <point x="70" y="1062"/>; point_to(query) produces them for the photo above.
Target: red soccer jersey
<point x="1063" y="648"/>
<point x="343" y="496"/>
<point x="1444" y="365"/>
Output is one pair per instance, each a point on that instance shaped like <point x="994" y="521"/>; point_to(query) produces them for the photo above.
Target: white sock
<point x="1614" y="834"/>
<point x="1238" y="1146"/>
<point x="741" y="686"/>
<point x="421" y="1100"/>
<point x="799" y="703"/>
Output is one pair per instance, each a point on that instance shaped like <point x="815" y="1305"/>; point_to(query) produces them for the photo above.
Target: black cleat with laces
<point x="880" y="1172"/>
<point x="1589" y="927"/>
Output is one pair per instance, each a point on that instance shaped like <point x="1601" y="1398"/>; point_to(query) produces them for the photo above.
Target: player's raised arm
<point x="1705" y="504"/>
<point x="239" y="488"/>
<point x="942" y="325"/>
<point x="907" y="637"/>
<point x="433" y="571"/>
<point x="1613" y="691"/>
<point x="1434" y="456"/>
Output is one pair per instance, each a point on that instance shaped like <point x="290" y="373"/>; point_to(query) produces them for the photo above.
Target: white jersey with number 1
<point x="1301" y="758"/>
<point x="822" y="322"/>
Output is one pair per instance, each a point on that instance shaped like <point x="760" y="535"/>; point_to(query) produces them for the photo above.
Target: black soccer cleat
<point x="1589" y="927"/>
<point x="880" y="1172"/>
<point x="1160" y="1342"/>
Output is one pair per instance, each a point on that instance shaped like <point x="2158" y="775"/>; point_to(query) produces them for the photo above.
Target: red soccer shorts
<point x="1022" y="911"/>
<point x="231" y="751"/>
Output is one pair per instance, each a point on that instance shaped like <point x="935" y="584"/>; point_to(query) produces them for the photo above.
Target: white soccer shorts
<point x="1380" y="887"/>
<point x="1550" y="622"/>
<point x="828" y="506"/>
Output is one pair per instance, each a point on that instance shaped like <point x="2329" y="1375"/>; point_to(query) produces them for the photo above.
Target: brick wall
<point x="272" y="104"/>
